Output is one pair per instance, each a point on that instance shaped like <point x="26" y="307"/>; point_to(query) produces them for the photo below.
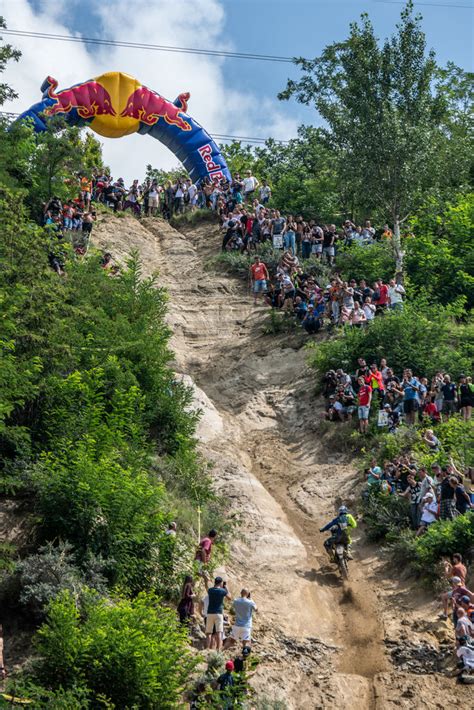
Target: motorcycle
<point x="341" y="558"/>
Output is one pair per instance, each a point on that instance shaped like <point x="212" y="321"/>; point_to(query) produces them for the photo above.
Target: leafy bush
<point x="422" y="555"/>
<point x="368" y="262"/>
<point x="421" y="337"/>
<point x="385" y="515"/>
<point x="44" y="575"/>
<point x="129" y="653"/>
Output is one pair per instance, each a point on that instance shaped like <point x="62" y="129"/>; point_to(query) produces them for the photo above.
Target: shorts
<point x="410" y="405"/>
<point x="363" y="412"/>
<point x="449" y="406"/>
<point x="259" y="286"/>
<point x="87" y="227"/>
<point x="153" y="202"/>
<point x="317" y="249"/>
<point x="85" y="195"/>
<point x="289" y="294"/>
<point x="241" y="633"/>
<point x="215" y="624"/>
<point x="328" y="250"/>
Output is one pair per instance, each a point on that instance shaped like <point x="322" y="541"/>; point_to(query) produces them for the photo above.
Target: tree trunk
<point x="397" y="247"/>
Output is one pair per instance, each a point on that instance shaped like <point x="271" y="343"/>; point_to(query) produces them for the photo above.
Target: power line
<point x="429" y="4"/>
<point x="219" y="136"/>
<point x="152" y="47"/>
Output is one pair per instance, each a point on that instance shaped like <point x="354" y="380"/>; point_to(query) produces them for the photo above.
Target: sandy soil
<point x="322" y="641"/>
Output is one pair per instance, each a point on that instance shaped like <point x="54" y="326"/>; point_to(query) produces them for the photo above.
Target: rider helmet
<point x="343" y="510"/>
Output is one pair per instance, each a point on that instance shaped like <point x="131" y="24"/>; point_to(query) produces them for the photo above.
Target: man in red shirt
<point x="364" y="398"/>
<point x="203" y="553"/>
<point x="382" y="301"/>
<point x="258" y="278"/>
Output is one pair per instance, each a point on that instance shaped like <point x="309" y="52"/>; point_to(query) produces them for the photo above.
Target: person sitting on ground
<point x="311" y="321"/>
<point x="430" y="411"/>
<point x="343" y="522"/>
<point x="431" y="440"/>
<point x="464" y="626"/>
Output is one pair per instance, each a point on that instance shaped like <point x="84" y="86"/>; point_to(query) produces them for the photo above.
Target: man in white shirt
<point x="395" y="295"/>
<point x="250" y="184"/>
<point x="265" y="193"/>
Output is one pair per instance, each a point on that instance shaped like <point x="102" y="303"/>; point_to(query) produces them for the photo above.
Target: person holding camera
<point x="244" y="607"/>
<point x="215" y="612"/>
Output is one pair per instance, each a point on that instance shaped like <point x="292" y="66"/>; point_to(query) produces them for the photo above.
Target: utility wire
<point x="428" y="4"/>
<point x="152" y="47"/>
<point x="219" y="136"/>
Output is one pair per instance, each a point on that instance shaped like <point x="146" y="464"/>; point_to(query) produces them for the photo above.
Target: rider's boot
<point x="349" y="553"/>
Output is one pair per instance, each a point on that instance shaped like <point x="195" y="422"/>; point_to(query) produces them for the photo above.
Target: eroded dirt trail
<point x="322" y="641"/>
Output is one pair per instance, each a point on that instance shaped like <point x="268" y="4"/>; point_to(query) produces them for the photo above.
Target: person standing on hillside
<point x="215" y="612"/>
<point x="250" y="184"/>
<point x="203" y="553"/>
<point x="258" y="278"/>
<point x="364" y="399"/>
<point x="244" y="607"/>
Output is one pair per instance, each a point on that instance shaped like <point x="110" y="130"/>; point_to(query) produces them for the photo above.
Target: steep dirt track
<point x="322" y="641"/>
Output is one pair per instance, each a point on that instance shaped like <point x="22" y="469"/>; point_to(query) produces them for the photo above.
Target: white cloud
<point x="184" y="23"/>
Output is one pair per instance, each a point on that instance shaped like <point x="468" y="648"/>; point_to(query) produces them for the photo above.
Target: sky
<point x="228" y="96"/>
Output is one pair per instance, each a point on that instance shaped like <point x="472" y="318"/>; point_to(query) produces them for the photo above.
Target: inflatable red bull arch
<point x="115" y="105"/>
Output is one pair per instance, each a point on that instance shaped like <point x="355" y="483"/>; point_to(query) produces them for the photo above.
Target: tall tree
<point x="382" y="116"/>
<point x="7" y="53"/>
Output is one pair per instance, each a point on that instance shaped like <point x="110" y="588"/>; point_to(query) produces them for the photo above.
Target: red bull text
<point x="214" y="169"/>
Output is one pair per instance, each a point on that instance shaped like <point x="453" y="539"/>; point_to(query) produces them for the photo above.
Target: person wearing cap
<point x="225" y="685"/>
<point x="429" y="512"/>
<point x="215" y="612"/>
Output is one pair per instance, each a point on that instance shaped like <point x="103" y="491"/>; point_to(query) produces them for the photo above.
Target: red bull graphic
<point x="89" y="99"/>
<point x="115" y="104"/>
<point x="149" y="107"/>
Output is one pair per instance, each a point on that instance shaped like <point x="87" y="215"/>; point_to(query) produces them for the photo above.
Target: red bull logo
<point x="89" y="99"/>
<point x="148" y="107"/>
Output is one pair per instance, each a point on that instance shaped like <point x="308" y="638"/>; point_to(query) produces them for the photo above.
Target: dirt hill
<point x="323" y="643"/>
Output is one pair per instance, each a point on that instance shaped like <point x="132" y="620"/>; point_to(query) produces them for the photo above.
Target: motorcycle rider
<point x="340" y="527"/>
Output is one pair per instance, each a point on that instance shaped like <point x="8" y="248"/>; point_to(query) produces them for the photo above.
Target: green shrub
<point x="44" y="575"/>
<point x="370" y="262"/>
<point x="385" y="515"/>
<point x="422" y="555"/>
<point x="130" y="653"/>
<point x="423" y="338"/>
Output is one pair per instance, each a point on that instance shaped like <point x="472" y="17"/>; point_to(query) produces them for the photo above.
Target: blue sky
<point x="229" y="96"/>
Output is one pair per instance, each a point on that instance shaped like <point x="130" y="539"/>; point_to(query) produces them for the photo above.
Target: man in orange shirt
<point x="258" y="278"/>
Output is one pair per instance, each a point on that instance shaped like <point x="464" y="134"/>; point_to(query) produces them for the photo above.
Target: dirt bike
<point x="341" y="559"/>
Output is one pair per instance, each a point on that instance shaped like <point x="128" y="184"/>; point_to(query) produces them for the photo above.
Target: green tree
<point x="383" y="119"/>
<point x="128" y="653"/>
<point x="7" y="53"/>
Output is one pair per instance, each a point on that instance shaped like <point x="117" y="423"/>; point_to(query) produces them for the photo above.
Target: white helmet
<point x="343" y="509"/>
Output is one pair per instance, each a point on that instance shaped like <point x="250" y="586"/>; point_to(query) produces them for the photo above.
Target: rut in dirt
<point x="265" y="385"/>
